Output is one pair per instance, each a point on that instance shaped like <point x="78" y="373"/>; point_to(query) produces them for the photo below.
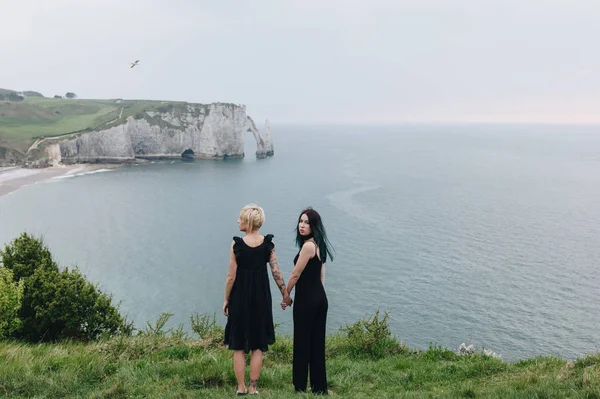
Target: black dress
<point x="310" y="317"/>
<point x="250" y="322"/>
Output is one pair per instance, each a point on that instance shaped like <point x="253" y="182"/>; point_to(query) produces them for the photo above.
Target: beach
<point x="14" y="177"/>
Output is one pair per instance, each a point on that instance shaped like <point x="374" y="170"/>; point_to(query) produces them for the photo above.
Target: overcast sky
<point x="326" y="61"/>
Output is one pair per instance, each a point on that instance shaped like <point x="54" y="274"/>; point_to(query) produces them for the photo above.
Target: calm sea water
<point x="487" y="234"/>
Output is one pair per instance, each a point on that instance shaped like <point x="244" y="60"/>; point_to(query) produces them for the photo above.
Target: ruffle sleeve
<point x="237" y="245"/>
<point x="269" y="244"/>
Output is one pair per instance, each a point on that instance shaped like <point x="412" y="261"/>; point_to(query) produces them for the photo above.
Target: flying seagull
<point x="134" y="63"/>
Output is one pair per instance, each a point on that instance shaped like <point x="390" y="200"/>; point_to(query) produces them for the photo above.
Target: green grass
<point x="168" y="367"/>
<point x="22" y="123"/>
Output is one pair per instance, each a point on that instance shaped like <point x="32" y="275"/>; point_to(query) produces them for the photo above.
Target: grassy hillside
<point x="170" y="367"/>
<point x="88" y="358"/>
<point x="22" y="123"/>
<point x="25" y="124"/>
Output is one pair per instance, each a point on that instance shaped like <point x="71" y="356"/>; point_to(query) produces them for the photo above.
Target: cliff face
<point x="212" y="131"/>
<point x="9" y="157"/>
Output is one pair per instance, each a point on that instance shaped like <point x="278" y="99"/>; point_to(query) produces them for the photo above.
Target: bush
<point x="369" y="338"/>
<point x="207" y="328"/>
<point x="63" y="305"/>
<point x="437" y="352"/>
<point x="25" y="255"/>
<point x="156" y="330"/>
<point x="58" y="304"/>
<point x="11" y="296"/>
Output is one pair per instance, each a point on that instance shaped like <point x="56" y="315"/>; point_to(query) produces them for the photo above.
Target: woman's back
<point x="309" y="288"/>
<point x="252" y="257"/>
<point x="250" y="323"/>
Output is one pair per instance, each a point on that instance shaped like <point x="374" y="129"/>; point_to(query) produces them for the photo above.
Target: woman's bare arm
<point x="231" y="273"/>
<point x="307" y="252"/>
<point x="277" y="276"/>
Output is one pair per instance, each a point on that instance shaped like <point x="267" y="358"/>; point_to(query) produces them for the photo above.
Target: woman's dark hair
<point x="318" y="231"/>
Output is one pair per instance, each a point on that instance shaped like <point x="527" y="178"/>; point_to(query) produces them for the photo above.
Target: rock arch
<point x="264" y="144"/>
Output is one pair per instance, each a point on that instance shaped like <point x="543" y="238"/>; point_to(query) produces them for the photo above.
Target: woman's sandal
<point x="238" y="393"/>
<point x="253" y="386"/>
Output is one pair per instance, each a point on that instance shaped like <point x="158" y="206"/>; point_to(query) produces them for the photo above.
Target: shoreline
<point x="15" y="177"/>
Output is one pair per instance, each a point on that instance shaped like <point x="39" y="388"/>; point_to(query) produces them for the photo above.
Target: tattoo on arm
<point x="273" y="261"/>
<point x="277" y="276"/>
<point x="282" y="288"/>
<point x="279" y="281"/>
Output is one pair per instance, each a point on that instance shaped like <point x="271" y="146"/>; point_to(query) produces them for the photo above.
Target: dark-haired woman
<point x="310" y="302"/>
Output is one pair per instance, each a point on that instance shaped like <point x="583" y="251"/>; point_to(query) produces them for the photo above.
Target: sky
<point x="309" y="61"/>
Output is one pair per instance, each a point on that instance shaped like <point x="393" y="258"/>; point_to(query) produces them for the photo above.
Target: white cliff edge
<point x="214" y="131"/>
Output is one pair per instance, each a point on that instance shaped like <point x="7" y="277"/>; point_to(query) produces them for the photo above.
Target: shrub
<point x="437" y="352"/>
<point x="11" y="296"/>
<point x="370" y="337"/>
<point x="207" y="328"/>
<point x="156" y="330"/>
<point x="25" y="254"/>
<point x="58" y="304"/>
<point x="63" y="305"/>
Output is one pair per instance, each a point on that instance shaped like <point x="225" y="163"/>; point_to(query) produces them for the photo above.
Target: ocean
<point x="482" y="234"/>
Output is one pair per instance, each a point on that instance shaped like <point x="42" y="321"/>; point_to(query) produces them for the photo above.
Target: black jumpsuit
<point x="310" y="316"/>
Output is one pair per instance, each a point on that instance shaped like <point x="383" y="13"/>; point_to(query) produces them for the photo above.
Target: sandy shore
<point x="13" y="178"/>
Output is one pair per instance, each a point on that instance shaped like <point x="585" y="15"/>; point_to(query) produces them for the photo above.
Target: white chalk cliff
<point x="214" y="131"/>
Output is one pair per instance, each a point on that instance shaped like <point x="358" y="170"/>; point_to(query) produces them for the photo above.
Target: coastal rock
<point x="10" y="157"/>
<point x="214" y="131"/>
<point x="465" y="349"/>
<point x="53" y="154"/>
<point x="268" y="142"/>
<point x="112" y="145"/>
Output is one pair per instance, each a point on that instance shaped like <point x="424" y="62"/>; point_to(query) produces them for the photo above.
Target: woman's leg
<point x="239" y="366"/>
<point x="301" y="349"/>
<point x="318" y="374"/>
<point x="255" y="367"/>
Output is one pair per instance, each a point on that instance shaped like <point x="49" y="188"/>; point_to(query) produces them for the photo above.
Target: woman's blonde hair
<point x="252" y="217"/>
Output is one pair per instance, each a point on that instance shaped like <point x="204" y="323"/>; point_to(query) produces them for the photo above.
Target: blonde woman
<point x="248" y="303"/>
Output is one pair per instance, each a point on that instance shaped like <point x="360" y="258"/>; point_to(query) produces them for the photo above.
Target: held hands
<point x="286" y="301"/>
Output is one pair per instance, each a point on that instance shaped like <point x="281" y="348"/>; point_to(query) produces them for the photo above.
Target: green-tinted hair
<point x="318" y="231"/>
